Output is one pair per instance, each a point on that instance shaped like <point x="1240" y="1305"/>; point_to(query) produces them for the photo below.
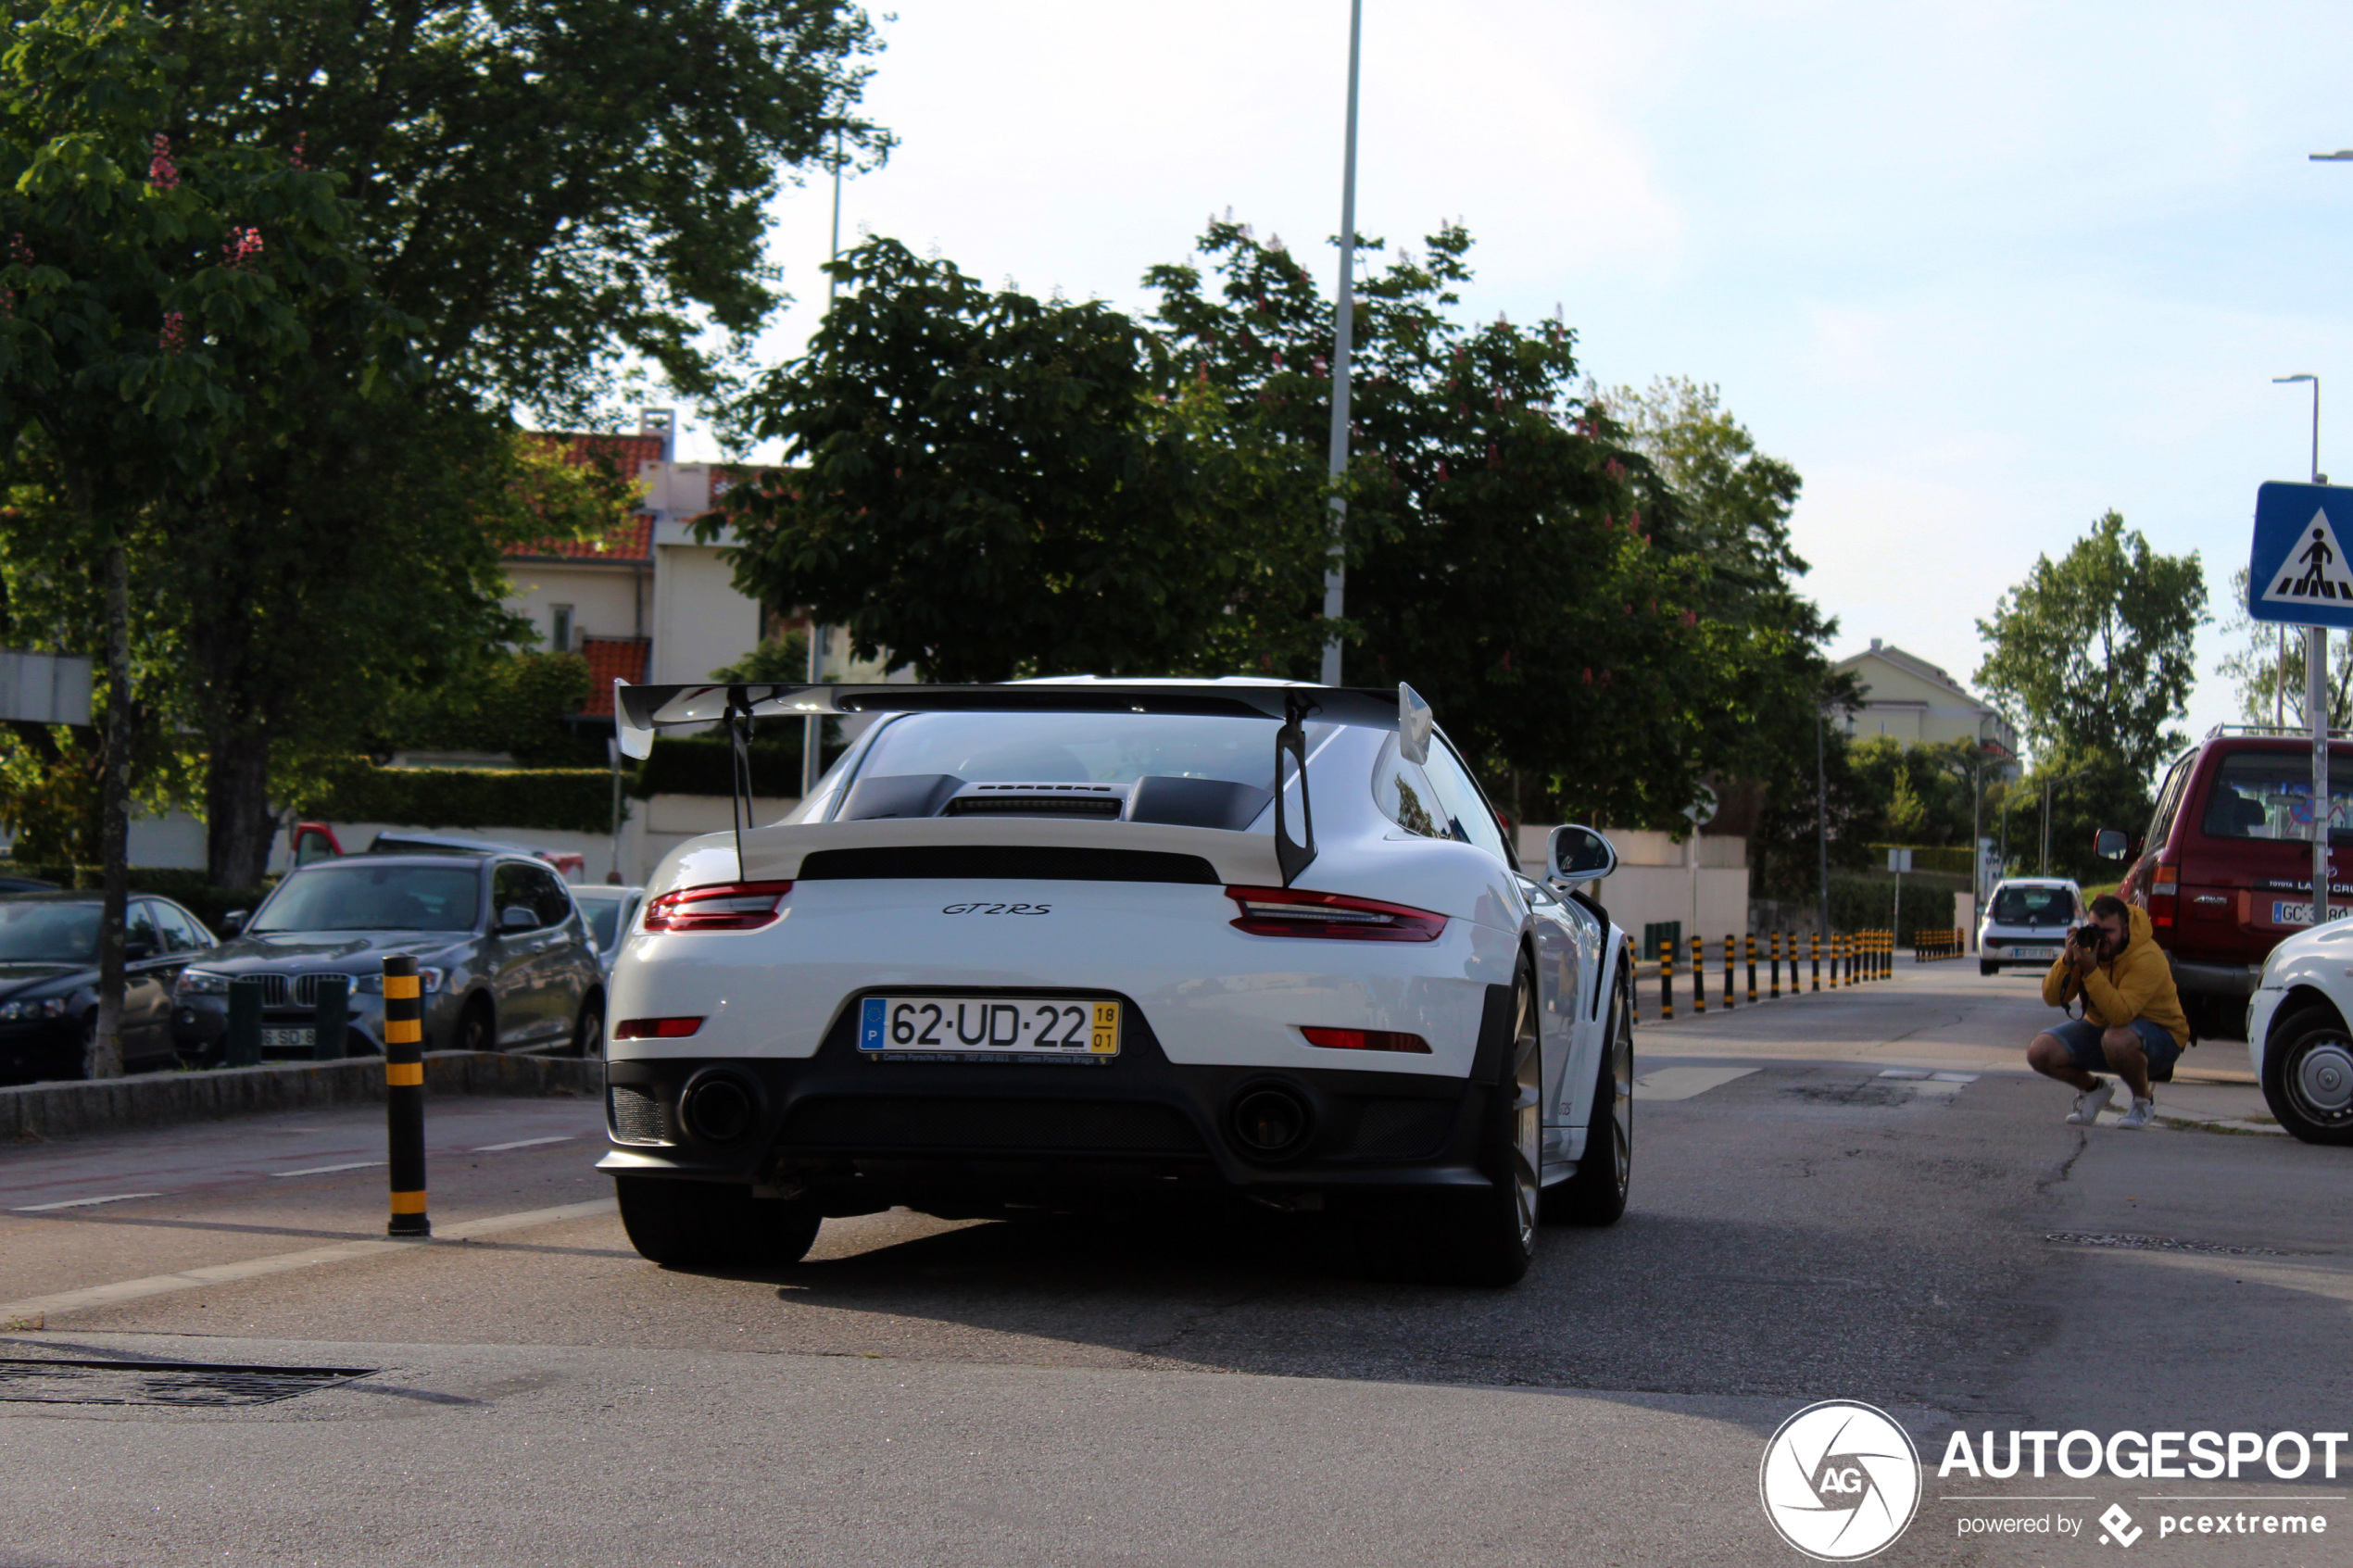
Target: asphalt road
<point x="1856" y="1196"/>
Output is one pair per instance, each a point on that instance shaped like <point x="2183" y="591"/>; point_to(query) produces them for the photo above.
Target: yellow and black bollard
<point x="1816" y="941"/>
<point x="405" y="1096"/>
<point x="1730" y="988"/>
<point x="1699" y="975"/>
<point x="1773" y="941"/>
<point x="1667" y="979"/>
<point x="1750" y="951"/>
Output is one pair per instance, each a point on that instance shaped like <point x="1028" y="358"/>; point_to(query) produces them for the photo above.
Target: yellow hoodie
<point x="2138" y="982"/>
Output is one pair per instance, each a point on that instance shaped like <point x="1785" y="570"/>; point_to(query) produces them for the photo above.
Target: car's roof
<point x="452" y="861"/>
<point x="2038" y="882"/>
<point x="77" y="895"/>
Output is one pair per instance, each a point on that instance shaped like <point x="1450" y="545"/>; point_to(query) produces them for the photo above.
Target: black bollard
<point x="243" y="1045"/>
<point x="405" y="1096"/>
<point x="331" y="1017"/>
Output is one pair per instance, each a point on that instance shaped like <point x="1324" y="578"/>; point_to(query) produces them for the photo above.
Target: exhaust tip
<point x="1270" y="1120"/>
<point x="718" y="1106"/>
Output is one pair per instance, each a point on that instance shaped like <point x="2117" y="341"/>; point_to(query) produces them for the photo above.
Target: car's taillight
<point x="656" y="1028"/>
<point x="724" y="906"/>
<point x="1294" y="911"/>
<point x="2165" y="886"/>
<point x="1366" y="1040"/>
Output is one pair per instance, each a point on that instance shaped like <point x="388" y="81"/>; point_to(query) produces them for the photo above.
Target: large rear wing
<point x="640" y="712"/>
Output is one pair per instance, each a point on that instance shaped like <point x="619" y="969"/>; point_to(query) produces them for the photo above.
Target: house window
<point x="559" y="628"/>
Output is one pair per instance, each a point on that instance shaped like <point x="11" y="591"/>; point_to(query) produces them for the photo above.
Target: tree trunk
<point x="105" y="1045"/>
<point x="239" y="822"/>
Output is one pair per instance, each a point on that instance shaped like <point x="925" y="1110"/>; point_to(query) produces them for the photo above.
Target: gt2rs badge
<point x="996" y="908"/>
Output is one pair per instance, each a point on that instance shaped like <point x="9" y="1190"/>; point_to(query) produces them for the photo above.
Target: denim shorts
<point x="2082" y="1038"/>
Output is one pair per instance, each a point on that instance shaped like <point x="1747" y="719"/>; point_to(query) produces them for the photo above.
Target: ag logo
<point x="1840" y="1481"/>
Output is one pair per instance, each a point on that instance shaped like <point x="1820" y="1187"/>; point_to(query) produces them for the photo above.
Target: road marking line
<point x="1904" y="1072"/>
<point x="82" y="1202"/>
<point x="285" y="1263"/>
<point x="521" y="1142"/>
<point x="331" y="1169"/>
<point x="1685" y="1083"/>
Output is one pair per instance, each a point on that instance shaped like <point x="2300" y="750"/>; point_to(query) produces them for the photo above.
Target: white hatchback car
<point x="1050" y="943"/>
<point x="2027" y="920"/>
<point x="2297" y="1035"/>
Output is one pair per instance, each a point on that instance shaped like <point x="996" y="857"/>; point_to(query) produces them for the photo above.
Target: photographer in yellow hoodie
<point x="2132" y="1024"/>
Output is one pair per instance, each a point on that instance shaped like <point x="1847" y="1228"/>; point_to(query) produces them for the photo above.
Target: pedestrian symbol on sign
<point x="2314" y="571"/>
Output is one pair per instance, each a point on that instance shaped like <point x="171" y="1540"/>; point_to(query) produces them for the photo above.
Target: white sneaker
<point x="2143" y="1111"/>
<point x="2090" y="1102"/>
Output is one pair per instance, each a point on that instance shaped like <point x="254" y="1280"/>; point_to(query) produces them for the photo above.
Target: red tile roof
<point x="632" y="540"/>
<point x="612" y="658"/>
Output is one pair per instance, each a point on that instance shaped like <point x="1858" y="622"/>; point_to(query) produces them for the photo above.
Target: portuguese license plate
<point x="2038" y="952"/>
<point x="2286" y="913"/>
<point x="1072" y="1027"/>
<point x="286" y="1040"/>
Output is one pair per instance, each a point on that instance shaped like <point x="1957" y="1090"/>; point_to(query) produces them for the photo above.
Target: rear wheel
<point x="1486" y="1236"/>
<point x="714" y="1224"/>
<point x="1596" y="1194"/>
<point x="477" y="1028"/>
<point x="589" y="1032"/>
<point x="2307" y="1075"/>
<point x="1985" y="968"/>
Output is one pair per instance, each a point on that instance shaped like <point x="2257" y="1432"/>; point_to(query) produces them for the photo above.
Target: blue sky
<point x="1979" y="270"/>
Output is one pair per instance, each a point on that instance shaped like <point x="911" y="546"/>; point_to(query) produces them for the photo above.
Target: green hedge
<point x="555" y="799"/>
<point x="701" y="765"/>
<point x="1951" y="859"/>
<point x="186" y="888"/>
<point x="1863" y="903"/>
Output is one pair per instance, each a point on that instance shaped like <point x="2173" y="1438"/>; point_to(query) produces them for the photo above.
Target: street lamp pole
<point x="1343" y="336"/>
<point x="812" y="728"/>
<point x="2315" y="669"/>
<point x="2279" y="684"/>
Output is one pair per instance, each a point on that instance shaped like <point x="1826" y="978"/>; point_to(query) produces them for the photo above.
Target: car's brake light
<point x="2165" y="886"/>
<point x="1294" y="911"/>
<point x="655" y="1028"/>
<point x="724" y="906"/>
<point x="1366" y="1040"/>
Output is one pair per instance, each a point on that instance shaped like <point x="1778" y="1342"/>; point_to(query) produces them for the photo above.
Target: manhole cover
<point x="160" y="1383"/>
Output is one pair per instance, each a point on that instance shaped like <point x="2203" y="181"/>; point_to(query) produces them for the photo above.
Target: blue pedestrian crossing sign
<point x="2299" y="572"/>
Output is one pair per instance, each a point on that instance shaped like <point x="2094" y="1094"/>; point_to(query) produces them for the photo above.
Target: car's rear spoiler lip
<point x="708" y="702"/>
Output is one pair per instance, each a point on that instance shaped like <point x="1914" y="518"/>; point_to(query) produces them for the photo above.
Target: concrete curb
<point x="31" y="1112"/>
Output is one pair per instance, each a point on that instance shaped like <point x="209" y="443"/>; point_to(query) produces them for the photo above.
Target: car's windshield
<point x="1078" y="747"/>
<point x="354" y="896"/>
<point x="2268" y="795"/>
<point x="604" y="919"/>
<point x="48" y="932"/>
<point x="2034" y="906"/>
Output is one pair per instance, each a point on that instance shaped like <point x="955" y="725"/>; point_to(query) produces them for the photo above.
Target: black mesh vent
<point x="1403" y="1129"/>
<point x="1104" y="807"/>
<point x="1006" y="862"/>
<point x="638" y="1117"/>
<point x="881" y="1124"/>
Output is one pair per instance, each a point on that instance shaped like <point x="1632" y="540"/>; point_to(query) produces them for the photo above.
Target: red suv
<point x="2226" y="869"/>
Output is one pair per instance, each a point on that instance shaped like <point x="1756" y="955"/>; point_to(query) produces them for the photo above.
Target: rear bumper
<point x="2194" y="978"/>
<point x="860" y="1134"/>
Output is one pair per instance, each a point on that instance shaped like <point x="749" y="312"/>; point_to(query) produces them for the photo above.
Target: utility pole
<point x="812" y="728"/>
<point x="1344" y="338"/>
<point x="1822" y="820"/>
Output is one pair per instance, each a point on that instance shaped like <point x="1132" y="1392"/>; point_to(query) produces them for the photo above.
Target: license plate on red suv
<point x="2286" y="913"/>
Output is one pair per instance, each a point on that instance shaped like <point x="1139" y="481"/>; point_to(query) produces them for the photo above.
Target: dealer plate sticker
<point x="2284" y="913"/>
<point x="1071" y="1027"/>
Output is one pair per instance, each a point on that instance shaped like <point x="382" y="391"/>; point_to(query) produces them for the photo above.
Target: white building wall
<point x="700" y="621"/>
<point x="603" y="597"/>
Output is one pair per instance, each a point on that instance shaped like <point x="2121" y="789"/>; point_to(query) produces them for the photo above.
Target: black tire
<point x="2307" y="1075"/>
<point x="477" y="1028"/>
<point x="588" y="1029"/>
<point x="1486" y="1236"/>
<point x="1596" y="1194"/>
<point x="714" y="1224"/>
<point x="1985" y="968"/>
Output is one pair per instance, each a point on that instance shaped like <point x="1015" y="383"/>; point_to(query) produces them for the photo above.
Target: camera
<point x="2090" y="936"/>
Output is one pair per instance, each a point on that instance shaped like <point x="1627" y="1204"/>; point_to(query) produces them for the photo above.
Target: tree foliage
<point x="2094" y="652"/>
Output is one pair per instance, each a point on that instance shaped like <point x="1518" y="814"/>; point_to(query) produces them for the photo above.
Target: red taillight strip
<point x="656" y="1028"/>
<point x="724" y="906"/>
<point x="1294" y="911"/>
<point x="1366" y="1040"/>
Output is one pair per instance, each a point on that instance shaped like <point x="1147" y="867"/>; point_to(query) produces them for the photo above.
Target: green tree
<point x="2261" y="653"/>
<point x="2089" y="790"/>
<point x="154" y="304"/>
<point x="2094" y="652"/>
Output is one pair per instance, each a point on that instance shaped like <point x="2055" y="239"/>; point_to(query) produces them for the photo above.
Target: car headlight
<point x="429" y="978"/>
<point x="19" y="1013"/>
<point x="200" y="983"/>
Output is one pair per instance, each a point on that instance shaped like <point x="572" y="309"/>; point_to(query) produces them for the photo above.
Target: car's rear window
<point x="604" y="919"/>
<point x="2034" y="906"/>
<point x="350" y="895"/>
<point x="2268" y="795"/>
<point x="1078" y="747"/>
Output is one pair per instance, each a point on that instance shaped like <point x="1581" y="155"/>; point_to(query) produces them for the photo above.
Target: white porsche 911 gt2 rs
<point x="1044" y="943"/>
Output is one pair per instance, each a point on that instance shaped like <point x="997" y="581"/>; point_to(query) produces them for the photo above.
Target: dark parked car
<point x="506" y="956"/>
<point x="2225" y="868"/>
<point x="49" y="979"/>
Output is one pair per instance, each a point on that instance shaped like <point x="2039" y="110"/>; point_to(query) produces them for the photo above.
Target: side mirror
<point x="1578" y="854"/>
<point x="518" y="917"/>
<point x="235" y="921"/>
<point x="2110" y="844"/>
